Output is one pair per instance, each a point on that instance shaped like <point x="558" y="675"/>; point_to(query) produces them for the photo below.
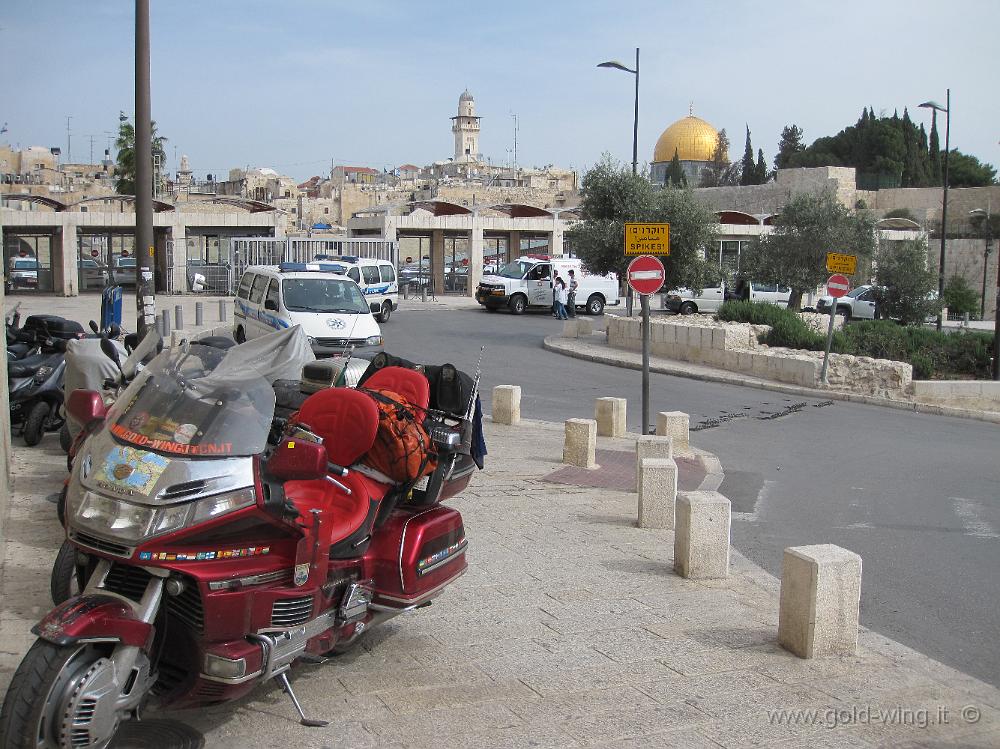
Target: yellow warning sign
<point x="647" y="239"/>
<point x="839" y="263"/>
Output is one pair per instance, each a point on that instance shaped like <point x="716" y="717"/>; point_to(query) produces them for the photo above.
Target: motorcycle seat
<point x="27" y="366"/>
<point x="342" y="514"/>
<point x="345" y="419"/>
<point x="409" y="383"/>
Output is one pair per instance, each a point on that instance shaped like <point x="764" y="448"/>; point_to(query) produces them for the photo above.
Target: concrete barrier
<point x="507" y="404"/>
<point x="674" y="424"/>
<point x="610" y="416"/>
<point x="651" y="446"/>
<point x="820" y="600"/>
<point x="701" y="539"/>
<point x="578" y="327"/>
<point x="657" y="493"/>
<point x="580" y="446"/>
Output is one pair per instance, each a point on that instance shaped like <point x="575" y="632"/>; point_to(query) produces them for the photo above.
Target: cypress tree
<point x="749" y="173"/>
<point x="675" y="173"/>
<point x="760" y="171"/>
<point x="935" y="151"/>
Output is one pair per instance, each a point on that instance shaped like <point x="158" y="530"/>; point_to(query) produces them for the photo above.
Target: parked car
<point x="124" y="272"/>
<point x="93" y="275"/>
<point x="858" y="304"/>
<point x="686" y="302"/>
<point x="22" y="273"/>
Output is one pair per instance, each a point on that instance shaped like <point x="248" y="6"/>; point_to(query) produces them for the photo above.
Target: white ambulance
<point x="527" y="282"/>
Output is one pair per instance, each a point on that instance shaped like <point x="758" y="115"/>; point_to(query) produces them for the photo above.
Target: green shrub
<point x="960" y="298"/>
<point x="791" y="332"/>
<point x="932" y="355"/>
<point x="923" y="366"/>
<point x="755" y="313"/>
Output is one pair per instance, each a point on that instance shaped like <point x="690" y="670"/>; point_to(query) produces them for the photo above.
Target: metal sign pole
<point x="829" y="342"/>
<point x="644" y="302"/>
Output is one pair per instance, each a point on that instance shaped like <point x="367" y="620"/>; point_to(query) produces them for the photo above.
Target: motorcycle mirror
<point x="114" y="330"/>
<point x="93" y="327"/>
<point x="86" y="406"/>
<point x="111" y="351"/>
<point x="297" y="460"/>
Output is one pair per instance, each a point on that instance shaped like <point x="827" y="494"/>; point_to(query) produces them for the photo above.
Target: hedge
<point x="932" y="355"/>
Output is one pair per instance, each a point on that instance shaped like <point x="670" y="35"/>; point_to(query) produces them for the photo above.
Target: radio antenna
<point x="475" y="384"/>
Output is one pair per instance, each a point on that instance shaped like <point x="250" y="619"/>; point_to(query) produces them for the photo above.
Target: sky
<point x="297" y="85"/>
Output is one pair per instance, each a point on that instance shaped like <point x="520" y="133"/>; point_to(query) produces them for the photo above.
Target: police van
<point x="330" y="307"/>
<point x="376" y="278"/>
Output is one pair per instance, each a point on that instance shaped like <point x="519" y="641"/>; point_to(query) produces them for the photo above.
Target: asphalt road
<point x="917" y="496"/>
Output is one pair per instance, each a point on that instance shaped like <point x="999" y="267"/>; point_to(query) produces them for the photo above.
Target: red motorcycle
<point x="220" y="560"/>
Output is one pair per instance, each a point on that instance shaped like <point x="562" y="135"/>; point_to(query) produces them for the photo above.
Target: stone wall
<point x="972" y="394"/>
<point x="734" y="347"/>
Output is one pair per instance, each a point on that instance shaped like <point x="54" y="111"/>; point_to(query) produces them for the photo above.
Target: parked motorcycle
<point x="219" y="561"/>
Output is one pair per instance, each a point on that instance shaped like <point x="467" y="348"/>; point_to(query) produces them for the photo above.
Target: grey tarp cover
<point x="87" y="367"/>
<point x="275" y="356"/>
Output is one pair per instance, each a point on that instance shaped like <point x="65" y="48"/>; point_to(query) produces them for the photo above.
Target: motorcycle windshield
<point x="189" y="402"/>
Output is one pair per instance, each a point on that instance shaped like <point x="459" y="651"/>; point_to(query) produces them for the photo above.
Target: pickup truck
<point x="527" y="282"/>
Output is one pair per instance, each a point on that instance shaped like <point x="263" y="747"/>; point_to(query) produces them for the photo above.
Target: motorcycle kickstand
<point x="282" y="679"/>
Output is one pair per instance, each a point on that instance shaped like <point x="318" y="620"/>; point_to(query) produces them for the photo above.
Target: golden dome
<point x="692" y="138"/>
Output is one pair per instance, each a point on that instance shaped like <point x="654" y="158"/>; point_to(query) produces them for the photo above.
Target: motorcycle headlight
<point x="132" y="523"/>
<point x="42" y="374"/>
<point x="373" y="340"/>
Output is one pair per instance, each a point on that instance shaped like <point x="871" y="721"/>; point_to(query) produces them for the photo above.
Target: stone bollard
<point x="580" y="446"/>
<point x="222" y="310"/>
<point x="199" y="313"/>
<point x="507" y="404"/>
<point x="584" y="327"/>
<point x="178" y="317"/>
<point x="570" y="329"/>
<point x="674" y="424"/>
<point x="165" y="323"/>
<point x="657" y="493"/>
<point x="610" y="416"/>
<point x="820" y="600"/>
<point x="701" y="539"/>
<point x="651" y="446"/>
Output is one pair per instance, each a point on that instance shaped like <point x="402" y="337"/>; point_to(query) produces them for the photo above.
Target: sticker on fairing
<point x="131" y="471"/>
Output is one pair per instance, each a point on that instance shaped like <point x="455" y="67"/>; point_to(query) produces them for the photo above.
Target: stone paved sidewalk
<point x="569" y="629"/>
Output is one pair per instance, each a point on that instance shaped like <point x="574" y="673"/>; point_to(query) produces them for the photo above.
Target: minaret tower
<point x="465" y="126"/>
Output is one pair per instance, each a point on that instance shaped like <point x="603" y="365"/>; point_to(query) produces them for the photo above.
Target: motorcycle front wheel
<point x="34" y="711"/>
<point x="34" y="425"/>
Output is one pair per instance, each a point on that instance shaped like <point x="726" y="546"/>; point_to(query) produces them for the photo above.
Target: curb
<point x="559" y="345"/>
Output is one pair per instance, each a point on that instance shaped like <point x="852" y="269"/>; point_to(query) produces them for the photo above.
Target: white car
<point x="856" y="304"/>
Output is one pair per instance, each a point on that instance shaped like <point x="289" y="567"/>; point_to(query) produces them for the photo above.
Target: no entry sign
<point x="838" y="285"/>
<point x="645" y="274"/>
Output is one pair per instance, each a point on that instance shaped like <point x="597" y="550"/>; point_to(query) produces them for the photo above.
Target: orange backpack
<point x="402" y="449"/>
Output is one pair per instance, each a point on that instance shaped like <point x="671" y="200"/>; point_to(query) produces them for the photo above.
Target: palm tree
<point x="125" y="168"/>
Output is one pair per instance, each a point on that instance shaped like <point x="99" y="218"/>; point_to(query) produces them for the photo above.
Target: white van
<point x="377" y="279"/>
<point x="527" y="282"/>
<point x="330" y="307"/>
<point x="686" y="302"/>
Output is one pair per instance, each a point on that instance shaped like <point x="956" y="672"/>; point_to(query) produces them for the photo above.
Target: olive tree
<point x="613" y="196"/>
<point x="906" y="287"/>
<point x="808" y="227"/>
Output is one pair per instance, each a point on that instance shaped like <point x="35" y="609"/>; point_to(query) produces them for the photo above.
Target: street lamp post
<point x="635" y="122"/>
<point x="944" y="202"/>
<point x="635" y="139"/>
<point x="978" y="216"/>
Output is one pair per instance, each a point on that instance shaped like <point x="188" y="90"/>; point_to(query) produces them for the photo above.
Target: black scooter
<point x="35" y="374"/>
